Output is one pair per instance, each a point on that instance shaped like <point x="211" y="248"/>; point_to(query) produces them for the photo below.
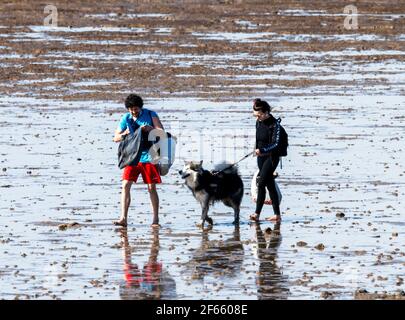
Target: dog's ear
<point x="201" y="162"/>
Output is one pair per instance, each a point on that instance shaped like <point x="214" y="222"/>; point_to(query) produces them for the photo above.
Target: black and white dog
<point x="209" y="187"/>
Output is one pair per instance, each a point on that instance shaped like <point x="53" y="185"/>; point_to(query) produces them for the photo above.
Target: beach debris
<point x="65" y="226"/>
<point x="326" y="294"/>
<point x="320" y="246"/>
<point x="301" y="244"/>
<point x="365" y="295"/>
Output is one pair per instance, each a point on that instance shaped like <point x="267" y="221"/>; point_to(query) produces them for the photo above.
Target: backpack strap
<point x="150" y="116"/>
<point x="131" y="125"/>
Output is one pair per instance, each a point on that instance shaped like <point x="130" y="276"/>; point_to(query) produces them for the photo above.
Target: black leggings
<point x="267" y="166"/>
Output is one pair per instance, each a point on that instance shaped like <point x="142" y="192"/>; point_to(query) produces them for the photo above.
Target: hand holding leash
<point x="230" y="166"/>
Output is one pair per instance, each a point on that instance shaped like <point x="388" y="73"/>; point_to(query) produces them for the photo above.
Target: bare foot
<point x="155" y="222"/>
<point x="254" y="217"/>
<point x="120" y="223"/>
<point x="275" y="218"/>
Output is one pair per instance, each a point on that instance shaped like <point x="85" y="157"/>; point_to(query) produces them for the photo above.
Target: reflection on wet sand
<point x="271" y="283"/>
<point x="218" y="257"/>
<point x="150" y="282"/>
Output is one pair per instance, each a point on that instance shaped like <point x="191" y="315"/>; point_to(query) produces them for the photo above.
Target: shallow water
<point x="62" y="173"/>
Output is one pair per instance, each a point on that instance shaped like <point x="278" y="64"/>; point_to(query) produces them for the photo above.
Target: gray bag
<point x="129" y="152"/>
<point x="164" y="160"/>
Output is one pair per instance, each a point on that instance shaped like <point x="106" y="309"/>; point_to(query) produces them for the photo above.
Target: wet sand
<point x="339" y="92"/>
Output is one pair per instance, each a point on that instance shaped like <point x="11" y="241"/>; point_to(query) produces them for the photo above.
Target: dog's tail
<point x="227" y="168"/>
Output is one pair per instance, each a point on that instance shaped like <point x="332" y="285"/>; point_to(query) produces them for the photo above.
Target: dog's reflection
<point x="220" y="258"/>
<point x="271" y="283"/>
<point x="150" y="282"/>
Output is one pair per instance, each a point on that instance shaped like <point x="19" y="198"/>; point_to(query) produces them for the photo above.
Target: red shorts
<point x="149" y="171"/>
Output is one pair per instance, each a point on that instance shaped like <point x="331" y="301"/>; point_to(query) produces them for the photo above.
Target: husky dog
<point x="209" y="187"/>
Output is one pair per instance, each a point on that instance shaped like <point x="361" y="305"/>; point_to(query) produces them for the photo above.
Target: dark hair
<point x="133" y="100"/>
<point x="260" y="105"/>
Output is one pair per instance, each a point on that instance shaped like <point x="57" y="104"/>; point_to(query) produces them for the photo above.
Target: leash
<point x="234" y="164"/>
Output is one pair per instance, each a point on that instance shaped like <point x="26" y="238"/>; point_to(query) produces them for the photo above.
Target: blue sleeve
<point x="123" y="123"/>
<point x="153" y="114"/>
<point x="275" y="139"/>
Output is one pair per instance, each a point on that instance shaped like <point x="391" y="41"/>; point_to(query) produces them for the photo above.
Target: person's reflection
<point x="271" y="283"/>
<point x="150" y="282"/>
<point x="218" y="257"/>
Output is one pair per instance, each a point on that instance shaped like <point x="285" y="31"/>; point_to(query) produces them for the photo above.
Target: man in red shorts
<point x="136" y="117"/>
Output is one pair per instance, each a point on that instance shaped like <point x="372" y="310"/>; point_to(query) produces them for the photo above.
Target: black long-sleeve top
<point x="268" y="135"/>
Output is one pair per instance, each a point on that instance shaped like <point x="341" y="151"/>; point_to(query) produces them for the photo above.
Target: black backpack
<point x="283" y="144"/>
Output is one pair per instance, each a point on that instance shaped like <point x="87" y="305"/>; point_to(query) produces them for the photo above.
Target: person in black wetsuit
<point x="266" y="149"/>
